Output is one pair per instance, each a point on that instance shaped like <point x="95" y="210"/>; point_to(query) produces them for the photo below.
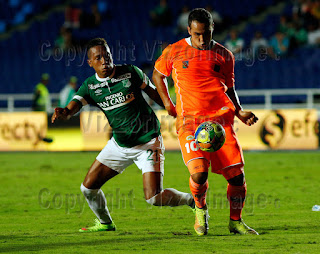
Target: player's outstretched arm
<point x="158" y="80"/>
<point x="247" y="117"/>
<point x="65" y="113"/>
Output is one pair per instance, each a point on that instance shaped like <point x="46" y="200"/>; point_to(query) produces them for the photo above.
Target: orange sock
<point x="199" y="192"/>
<point x="236" y="196"/>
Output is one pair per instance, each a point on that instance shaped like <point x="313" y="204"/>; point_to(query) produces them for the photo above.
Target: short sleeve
<point x="229" y="69"/>
<point x="139" y="78"/>
<point x="164" y="62"/>
<point x="82" y="95"/>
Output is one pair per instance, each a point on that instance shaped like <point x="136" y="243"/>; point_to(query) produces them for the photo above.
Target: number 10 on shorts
<point x="192" y="146"/>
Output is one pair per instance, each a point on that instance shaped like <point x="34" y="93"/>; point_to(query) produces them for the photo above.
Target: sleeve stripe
<point x="78" y="102"/>
<point x="152" y="85"/>
<point x="81" y="99"/>
<point x="144" y="82"/>
<point x="149" y="83"/>
<point x="143" y="86"/>
<point x="161" y="72"/>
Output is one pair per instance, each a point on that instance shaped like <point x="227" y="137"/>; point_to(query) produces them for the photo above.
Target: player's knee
<point x="200" y="178"/>
<point x="238" y="180"/>
<point x="88" y="192"/>
<point x="155" y="200"/>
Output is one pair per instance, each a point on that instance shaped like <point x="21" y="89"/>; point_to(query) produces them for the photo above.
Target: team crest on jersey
<point x="185" y="64"/>
<point x="127" y="83"/>
<point x="98" y="92"/>
<point x="190" y="137"/>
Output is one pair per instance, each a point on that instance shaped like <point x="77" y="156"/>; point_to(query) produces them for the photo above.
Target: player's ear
<point x="89" y="58"/>
<point x="189" y="30"/>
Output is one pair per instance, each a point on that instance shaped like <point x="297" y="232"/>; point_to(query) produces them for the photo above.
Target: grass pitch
<point x="42" y="208"/>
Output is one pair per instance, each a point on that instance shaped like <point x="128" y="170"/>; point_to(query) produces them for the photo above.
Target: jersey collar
<point x="188" y="40"/>
<point x="107" y="78"/>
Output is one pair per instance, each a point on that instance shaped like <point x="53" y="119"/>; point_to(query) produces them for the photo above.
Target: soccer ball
<point x="210" y="136"/>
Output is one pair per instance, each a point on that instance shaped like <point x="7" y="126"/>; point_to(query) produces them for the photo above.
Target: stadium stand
<point x="30" y="51"/>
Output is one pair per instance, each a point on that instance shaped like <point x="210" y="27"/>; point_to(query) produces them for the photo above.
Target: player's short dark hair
<point x="96" y="42"/>
<point x="201" y="15"/>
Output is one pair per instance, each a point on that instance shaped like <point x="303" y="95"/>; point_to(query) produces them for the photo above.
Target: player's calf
<point x="171" y="197"/>
<point x="98" y="203"/>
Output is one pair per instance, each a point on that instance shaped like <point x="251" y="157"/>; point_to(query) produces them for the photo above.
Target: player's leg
<point x="229" y="162"/>
<point x="236" y="190"/>
<point x="197" y="164"/>
<point x="155" y="195"/>
<point x="150" y="159"/>
<point x="198" y="184"/>
<point x="97" y="175"/>
<point x="198" y="181"/>
<point x="110" y="162"/>
<point x="236" y="193"/>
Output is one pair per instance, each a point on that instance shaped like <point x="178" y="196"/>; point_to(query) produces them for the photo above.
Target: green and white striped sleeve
<point x="142" y="78"/>
<point x="80" y="96"/>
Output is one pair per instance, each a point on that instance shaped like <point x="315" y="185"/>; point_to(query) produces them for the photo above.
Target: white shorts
<point x="148" y="157"/>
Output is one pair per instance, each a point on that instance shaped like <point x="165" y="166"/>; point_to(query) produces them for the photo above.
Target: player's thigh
<point x="234" y="175"/>
<point x="152" y="184"/>
<point x="191" y="153"/>
<point x="198" y="169"/>
<point x="97" y="175"/>
<point x="150" y="156"/>
<point x="115" y="157"/>
<point x="229" y="155"/>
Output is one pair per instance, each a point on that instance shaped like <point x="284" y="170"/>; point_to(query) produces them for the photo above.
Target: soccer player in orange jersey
<point x="203" y="73"/>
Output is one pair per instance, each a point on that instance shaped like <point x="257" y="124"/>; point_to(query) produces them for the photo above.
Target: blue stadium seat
<point x="3" y="26"/>
<point x="14" y="3"/>
<point x="262" y="75"/>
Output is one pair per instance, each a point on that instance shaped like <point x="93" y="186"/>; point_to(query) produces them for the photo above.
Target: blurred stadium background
<point x="49" y="36"/>
<point x="41" y="206"/>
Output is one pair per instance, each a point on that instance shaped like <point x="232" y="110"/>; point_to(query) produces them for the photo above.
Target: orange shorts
<point x="223" y="160"/>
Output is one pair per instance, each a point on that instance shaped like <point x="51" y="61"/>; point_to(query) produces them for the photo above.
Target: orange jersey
<point x="201" y="77"/>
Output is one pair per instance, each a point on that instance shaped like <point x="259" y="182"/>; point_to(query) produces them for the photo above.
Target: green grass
<point x="42" y="208"/>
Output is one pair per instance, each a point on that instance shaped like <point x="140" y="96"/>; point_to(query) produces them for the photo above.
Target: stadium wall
<point x="281" y="129"/>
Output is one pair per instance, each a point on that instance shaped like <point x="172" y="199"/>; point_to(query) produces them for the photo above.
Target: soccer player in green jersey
<point x="116" y="90"/>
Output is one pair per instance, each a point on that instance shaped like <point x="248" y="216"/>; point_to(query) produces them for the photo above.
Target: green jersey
<point x="120" y="98"/>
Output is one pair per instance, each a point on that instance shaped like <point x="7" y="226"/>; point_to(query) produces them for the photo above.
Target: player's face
<point x="201" y="34"/>
<point x="100" y="59"/>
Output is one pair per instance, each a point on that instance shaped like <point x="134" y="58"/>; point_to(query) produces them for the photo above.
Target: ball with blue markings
<point x="210" y="136"/>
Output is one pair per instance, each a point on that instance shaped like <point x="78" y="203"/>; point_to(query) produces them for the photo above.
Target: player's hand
<point x="60" y="114"/>
<point x="171" y="110"/>
<point x="247" y="117"/>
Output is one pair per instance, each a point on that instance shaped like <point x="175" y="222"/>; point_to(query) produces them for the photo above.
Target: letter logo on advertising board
<point x="272" y="129"/>
<point x="280" y="129"/>
<point x="22" y="131"/>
